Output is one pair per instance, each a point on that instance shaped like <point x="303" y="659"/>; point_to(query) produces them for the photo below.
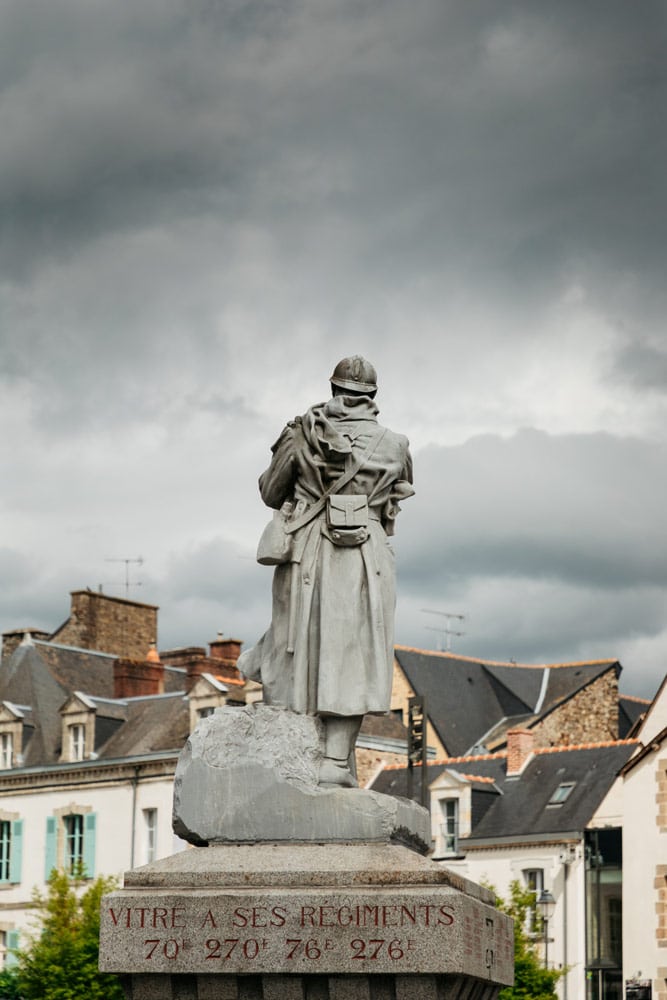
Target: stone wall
<point x="660" y="886"/>
<point x="369" y="762"/>
<point x="661" y="796"/>
<point x="109" y="624"/>
<point x="660" y="985"/>
<point x="590" y="716"/>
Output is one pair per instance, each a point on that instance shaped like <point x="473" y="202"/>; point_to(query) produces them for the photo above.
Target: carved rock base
<point x="249" y="775"/>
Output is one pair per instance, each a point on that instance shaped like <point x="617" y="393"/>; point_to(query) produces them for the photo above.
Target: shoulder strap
<point x="336" y="486"/>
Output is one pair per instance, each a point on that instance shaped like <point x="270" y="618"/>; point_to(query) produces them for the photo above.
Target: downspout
<point x="135" y="784"/>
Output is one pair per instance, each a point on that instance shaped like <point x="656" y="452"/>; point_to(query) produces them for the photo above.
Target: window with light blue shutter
<point x="90" y="824"/>
<point x="16" y="851"/>
<point x="12" y="943"/>
<point x="51" y="855"/>
<point x="5" y="849"/>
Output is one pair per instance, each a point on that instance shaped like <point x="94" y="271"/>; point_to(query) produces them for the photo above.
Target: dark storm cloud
<point x="572" y="508"/>
<point x="116" y="117"/>
<point x="204" y="204"/>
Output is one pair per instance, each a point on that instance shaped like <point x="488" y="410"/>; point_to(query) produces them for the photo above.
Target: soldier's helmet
<point x="355" y="373"/>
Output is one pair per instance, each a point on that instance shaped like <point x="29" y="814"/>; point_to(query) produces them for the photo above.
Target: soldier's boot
<point x="337" y="767"/>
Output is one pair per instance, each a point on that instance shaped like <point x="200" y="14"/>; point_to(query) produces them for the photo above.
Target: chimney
<point x="12" y="639"/>
<point x="227" y="650"/>
<point x="136" y="678"/>
<point x="520" y="746"/>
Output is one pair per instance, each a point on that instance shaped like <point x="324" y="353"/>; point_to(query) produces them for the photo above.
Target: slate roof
<point x="26" y="680"/>
<point x="631" y="711"/>
<point x="468" y="701"/>
<point x="518" y="806"/>
<point x="41" y="676"/>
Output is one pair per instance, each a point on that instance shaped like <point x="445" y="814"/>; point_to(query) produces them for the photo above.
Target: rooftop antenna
<point x="445" y="630"/>
<point x="139" y="561"/>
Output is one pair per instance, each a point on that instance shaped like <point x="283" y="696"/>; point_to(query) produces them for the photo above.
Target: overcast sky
<point x="205" y="204"/>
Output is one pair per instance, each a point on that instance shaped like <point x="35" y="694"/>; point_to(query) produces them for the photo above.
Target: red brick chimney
<point x="227" y="650"/>
<point x="134" y="678"/>
<point x="520" y="746"/>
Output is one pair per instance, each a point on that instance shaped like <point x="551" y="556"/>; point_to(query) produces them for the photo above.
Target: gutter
<point x="521" y="840"/>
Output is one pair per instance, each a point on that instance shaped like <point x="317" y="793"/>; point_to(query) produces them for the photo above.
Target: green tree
<point x="60" y="960"/>
<point x="531" y="980"/>
<point x="9" y="985"/>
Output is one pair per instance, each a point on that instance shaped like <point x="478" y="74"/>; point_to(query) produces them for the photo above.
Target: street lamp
<point x="546" y="905"/>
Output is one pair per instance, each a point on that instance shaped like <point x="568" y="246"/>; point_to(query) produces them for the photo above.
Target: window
<point x="73" y="843"/>
<point x="150" y="834"/>
<point x="6" y="751"/>
<point x="5" y="850"/>
<point x="204" y="713"/>
<point x="562" y="793"/>
<point x="9" y="939"/>
<point x="533" y="879"/>
<point x="11" y="836"/>
<point x="449" y="828"/>
<point x="77" y="742"/>
<point x="70" y="841"/>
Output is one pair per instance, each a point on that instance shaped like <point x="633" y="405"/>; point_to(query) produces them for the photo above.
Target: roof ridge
<point x="445" y="761"/>
<point x="479" y="777"/>
<point x="503" y="663"/>
<point x="501" y="754"/>
<point x="586" y="746"/>
<point x="75" y="649"/>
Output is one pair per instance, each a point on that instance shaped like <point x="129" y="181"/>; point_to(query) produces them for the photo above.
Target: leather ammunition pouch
<point x="346" y="519"/>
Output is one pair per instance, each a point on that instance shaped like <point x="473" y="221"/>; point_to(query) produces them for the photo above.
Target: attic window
<point x="562" y="793"/>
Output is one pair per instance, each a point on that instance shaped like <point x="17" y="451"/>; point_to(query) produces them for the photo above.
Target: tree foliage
<point x="531" y="980"/>
<point x="60" y="960"/>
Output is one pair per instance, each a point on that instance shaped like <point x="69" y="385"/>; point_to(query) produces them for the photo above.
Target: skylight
<point x="562" y="793"/>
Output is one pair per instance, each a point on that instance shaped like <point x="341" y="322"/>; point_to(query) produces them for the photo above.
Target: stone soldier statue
<point x="336" y="479"/>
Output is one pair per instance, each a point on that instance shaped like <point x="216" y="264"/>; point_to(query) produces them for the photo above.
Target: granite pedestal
<point x="296" y="892"/>
<point x="345" y="922"/>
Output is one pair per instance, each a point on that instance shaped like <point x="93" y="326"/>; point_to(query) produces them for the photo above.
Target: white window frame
<point x="74" y="832"/>
<point x="150" y="835"/>
<point x="6" y="751"/>
<point x="77" y="741"/>
<point x="533" y="880"/>
<point x="449" y="826"/>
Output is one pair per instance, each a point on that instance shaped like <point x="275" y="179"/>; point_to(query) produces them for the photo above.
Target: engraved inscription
<point x="284" y="932"/>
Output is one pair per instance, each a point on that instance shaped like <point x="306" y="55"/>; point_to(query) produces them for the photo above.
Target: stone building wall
<point x="661" y="795"/>
<point x="109" y="624"/>
<point x="369" y="762"/>
<point x="660" y="886"/>
<point x="590" y="716"/>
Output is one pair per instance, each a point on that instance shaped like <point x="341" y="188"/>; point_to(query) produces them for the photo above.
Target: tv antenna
<point x="139" y="561"/>
<point x="445" y="630"/>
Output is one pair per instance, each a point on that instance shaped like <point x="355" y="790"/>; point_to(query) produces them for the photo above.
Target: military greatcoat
<point x="329" y="649"/>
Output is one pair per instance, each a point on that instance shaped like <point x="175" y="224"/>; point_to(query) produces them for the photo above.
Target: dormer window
<point x="78" y="728"/>
<point x="205" y="695"/>
<point x="12" y="718"/>
<point x="562" y="793"/>
<point x="77" y="742"/>
<point x="6" y="751"/>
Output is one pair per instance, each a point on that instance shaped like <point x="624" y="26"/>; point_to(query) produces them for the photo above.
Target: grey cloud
<point x="642" y="365"/>
<point x="569" y="508"/>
